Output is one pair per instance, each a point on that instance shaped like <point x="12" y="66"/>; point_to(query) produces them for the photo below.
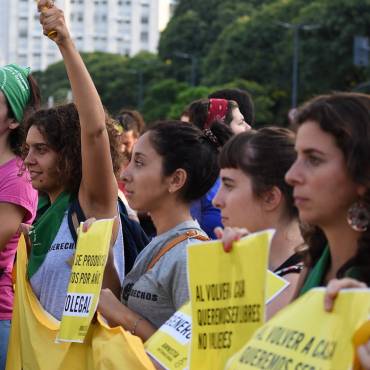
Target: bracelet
<point x="136" y="323"/>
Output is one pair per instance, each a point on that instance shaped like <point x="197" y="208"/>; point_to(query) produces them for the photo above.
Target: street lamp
<point x="296" y="27"/>
<point x="140" y="94"/>
<point x="194" y="64"/>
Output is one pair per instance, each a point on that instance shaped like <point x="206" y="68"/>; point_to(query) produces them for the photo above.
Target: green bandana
<point x="15" y="86"/>
<point x="45" y="230"/>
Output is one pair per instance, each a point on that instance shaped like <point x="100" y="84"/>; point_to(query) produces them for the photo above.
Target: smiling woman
<point x="69" y="152"/>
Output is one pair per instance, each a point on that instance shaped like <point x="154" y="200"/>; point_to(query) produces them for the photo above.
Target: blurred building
<point x="116" y="26"/>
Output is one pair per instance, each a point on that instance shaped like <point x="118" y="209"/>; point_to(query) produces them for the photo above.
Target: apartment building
<point x="116" y="26"/>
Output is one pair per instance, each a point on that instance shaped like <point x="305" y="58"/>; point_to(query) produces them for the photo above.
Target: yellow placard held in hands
<point x="86" y="279"/>
<point x="227" y="293"/>
<point x="170" y="344"/>
<point x="305" y="337"/>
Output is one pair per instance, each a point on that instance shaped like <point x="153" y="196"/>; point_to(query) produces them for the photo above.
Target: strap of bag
<point x="187" y="235"/>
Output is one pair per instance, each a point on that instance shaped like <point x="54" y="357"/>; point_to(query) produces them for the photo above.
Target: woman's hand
<point x="364" y="356"/>
<point x="110" y="307"/>
<point x="335" y="286"/>
<point x="228" y="235"/>
<point x="53" y="22"/>
<point x="87" y="224"/>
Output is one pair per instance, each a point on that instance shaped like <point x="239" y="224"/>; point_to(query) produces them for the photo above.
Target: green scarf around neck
<point x="317" y="274"/>
<point x="14" y="85"/>
<point x="44" y="231"/>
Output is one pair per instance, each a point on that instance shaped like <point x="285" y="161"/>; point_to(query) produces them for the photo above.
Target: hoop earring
<point x="358" y="216"/>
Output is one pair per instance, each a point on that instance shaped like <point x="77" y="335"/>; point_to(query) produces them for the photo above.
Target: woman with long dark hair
<point x="331" y="181"/>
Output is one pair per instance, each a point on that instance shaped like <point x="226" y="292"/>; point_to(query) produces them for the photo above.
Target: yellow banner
<point x="305" y="337"/>
<point x="227" y="293"/>
<point x="85" y="282"/>
<point x="170" y="344"/>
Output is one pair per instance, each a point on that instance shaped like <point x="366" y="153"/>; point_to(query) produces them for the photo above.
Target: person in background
<point x="254" y="196"/>
<point x="19" y="96"/>
<point x="184" y="117"/>
<point x="204" y="112"/>
<point x="225" y="118"/>
<point x="241" y="97"/>
<point x="133" y="125"/>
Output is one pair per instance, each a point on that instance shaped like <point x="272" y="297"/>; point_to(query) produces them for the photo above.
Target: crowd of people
<point x="207" y="175"/>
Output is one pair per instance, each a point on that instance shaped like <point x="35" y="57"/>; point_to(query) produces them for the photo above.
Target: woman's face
<point x="41" y="162"/>
<point x="238" y="123"/>
<point x="145" y="185"/>
<point x="323" y="187"/>
<point x="238" y="204"/>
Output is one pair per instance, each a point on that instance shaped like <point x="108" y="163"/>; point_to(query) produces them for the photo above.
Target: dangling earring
<point x="358" y="216"/>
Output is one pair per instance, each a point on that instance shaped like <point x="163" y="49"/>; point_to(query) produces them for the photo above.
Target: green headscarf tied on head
<point x="15" y="87"/>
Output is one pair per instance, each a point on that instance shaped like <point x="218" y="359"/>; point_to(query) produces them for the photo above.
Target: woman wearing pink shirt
<point x="19" y="96"/>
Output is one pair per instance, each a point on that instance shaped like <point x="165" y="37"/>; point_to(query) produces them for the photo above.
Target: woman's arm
<point x="118" y="314"/>
<point x="98" y="189"/>
<point x="11" y="216"/>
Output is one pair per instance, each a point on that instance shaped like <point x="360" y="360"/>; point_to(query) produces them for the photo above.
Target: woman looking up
<point x="19" y="96"/>
<point x="69" y="158"/>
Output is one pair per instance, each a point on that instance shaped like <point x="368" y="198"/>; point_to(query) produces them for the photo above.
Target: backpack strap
<point x="187" y="235"/>
<point x="75" y="217"/>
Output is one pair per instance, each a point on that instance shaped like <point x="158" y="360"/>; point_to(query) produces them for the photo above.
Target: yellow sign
<point x="361" y="337"/>
<point x="85" y="282"/>
<point x="305" y="337"/>
<point x="227" y="293"/>
<point x="32" y="337"/>
<point x="274" y="286"/>
<point x="170" y="344"/>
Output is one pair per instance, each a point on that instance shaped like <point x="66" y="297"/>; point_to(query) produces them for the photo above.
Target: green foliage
<point x="235" y="43"/>
<point x="185" y="97"/>
<point x="160" y="97"/>
<point x="117" y="78"/>
<point x="193" y="30"/>
<point x="258" y="48"/>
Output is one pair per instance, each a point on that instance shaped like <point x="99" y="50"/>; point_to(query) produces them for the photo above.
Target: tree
<point x="258" y="49"/>
<point x="159" y="99"/>
<point x="194" y="28"/>
<point x="117" y="78"/>
<point x="185" y="97"/>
